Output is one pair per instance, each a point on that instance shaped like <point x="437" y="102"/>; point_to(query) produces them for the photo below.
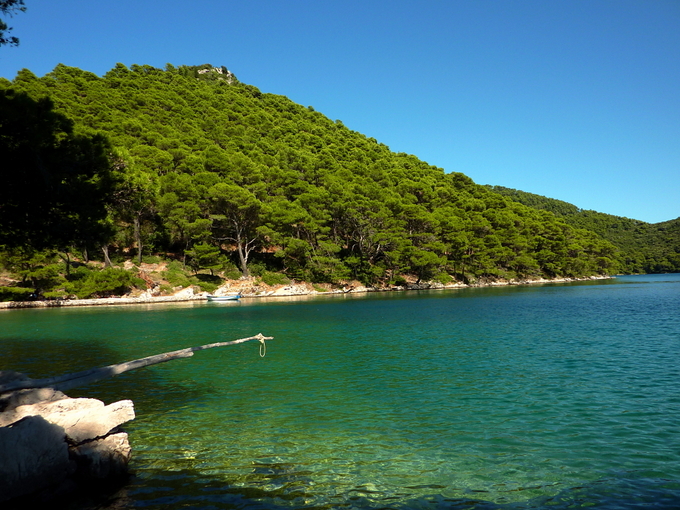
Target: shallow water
<point x="553" y="396"/>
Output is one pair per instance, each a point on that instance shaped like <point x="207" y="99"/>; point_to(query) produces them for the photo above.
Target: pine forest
<point x="189" y="166"/>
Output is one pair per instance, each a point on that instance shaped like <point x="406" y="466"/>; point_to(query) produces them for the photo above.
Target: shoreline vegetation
<point x="252" y="288"/>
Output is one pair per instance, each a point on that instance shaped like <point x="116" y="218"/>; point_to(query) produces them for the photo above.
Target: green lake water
<point x="553" y="396"/>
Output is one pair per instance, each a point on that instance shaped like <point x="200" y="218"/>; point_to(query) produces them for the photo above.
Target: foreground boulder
<point x="51" y="444"/>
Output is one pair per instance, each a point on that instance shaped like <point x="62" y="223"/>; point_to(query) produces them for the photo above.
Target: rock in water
<point x="49" y="442"/>
<point x="33" y="457"/>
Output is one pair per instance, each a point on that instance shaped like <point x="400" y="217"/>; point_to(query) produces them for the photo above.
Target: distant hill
<point x="645" y="247"/>
<point x="217" y="174"/>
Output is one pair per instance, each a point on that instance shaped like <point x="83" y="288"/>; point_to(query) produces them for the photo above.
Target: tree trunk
<point x="184" y="255"/>
<point x="138" y="237"/>
<point x="67" y="260"/>
<point x="244" y="261"/>
<point x="107" y="260"/>
<point x="242" y="256"/>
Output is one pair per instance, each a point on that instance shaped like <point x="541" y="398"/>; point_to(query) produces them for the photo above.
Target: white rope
<point x="263" y="347"/>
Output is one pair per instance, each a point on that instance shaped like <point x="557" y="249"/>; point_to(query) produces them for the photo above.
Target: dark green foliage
<point x="205" y="256"/>
<point x="107" y="282"/>
<point x="206" y="282"/>
<point x="399" y="281"/>
<point x="271" y="278"/>
<point x="642" y="247"/>
<point x="38" y="270"/>
<point x="55" y="184"/>
<point x="176" y="275"/>
<point x="16" y="294"/>
<point x="230" y="271"/>
<point x="9" y="7"/>
<point x="206" y="166"/>
<point x="47" y="275"/>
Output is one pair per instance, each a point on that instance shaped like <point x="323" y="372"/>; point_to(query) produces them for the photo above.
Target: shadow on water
<point x="146" y="387"/>
<point x="280" y="486"/>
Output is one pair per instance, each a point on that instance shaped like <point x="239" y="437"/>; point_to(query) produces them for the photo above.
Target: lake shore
<point x="249" y="289"/>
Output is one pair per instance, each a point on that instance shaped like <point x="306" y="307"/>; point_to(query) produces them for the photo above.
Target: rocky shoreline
<point x="248" y="289"/>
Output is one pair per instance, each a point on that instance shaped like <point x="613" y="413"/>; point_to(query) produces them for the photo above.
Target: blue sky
<point x="574" y="100"/>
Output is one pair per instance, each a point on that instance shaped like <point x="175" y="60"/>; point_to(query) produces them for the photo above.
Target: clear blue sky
<point x="574" y="100"/>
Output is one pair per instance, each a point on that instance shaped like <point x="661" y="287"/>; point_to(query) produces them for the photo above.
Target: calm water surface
<point x="555" y="396"/>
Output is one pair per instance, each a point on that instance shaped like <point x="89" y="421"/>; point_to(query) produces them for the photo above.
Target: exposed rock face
<point x="49" y="442"/>
<point x="104" y="458"/>
<point x="33" y="456"/>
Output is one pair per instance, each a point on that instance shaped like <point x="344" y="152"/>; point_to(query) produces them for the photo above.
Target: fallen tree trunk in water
<point x="50" y="443"/>
<point x="68" y="381"/>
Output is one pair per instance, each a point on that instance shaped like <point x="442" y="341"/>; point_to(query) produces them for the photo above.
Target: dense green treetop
<point x="644" y="247"/>
<point x="55" y="184"/>
<point x="203" y="161"/>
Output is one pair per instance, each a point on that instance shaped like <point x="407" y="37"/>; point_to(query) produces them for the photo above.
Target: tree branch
<point x="68" y="381"/>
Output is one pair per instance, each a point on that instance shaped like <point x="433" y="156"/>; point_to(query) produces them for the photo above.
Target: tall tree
<point x="238" y="215"/>
<point x="135" y="196"/>
<point x="179" y="204"/>
<point x="55" y="184"/>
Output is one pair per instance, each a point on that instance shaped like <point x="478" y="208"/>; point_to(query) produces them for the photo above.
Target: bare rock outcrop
<point x="50" y="443"/>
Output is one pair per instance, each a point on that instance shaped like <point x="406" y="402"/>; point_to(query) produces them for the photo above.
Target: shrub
<point x="206" y="282"/>
<point x="274" y="278"/>
<point x="15" y="294"/>
<point x="56" y="294"/>
<point x="205" y="256"/>
<point x="256" y="269"/>
<point x="443" y="278"/>
<point x="107" y="282"/>
<point x="138" y="282"/>
<point x="176" y="275"/>
<point x="231" y="272"/>
<point x="399" y="281"/>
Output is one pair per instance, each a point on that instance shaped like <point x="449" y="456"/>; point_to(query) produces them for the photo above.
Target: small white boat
<point x="229" y="297"/>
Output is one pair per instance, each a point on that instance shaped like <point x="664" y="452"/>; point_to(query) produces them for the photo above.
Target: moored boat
<point x="229" y="297"/>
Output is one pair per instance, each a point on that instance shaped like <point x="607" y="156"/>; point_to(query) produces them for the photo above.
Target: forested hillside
<point x="643" y="247"/>
<point x="215" y="173"/>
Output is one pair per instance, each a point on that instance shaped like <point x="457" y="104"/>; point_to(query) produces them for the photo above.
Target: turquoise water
<point x="553" y="396"/>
